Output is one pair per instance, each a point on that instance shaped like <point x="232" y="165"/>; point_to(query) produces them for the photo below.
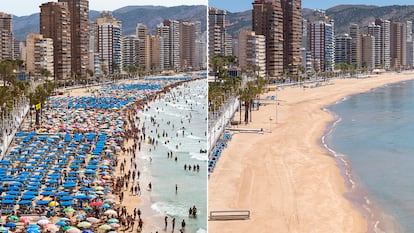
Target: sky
<point x="28" y="7"/>
<point x="242" y="5"/>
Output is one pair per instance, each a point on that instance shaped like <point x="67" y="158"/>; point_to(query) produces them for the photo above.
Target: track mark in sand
<point x="287" y="192"/>
<point x="246" y="181"/>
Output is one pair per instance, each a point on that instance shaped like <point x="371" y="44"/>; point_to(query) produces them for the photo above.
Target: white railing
<point x="11" y="124"/>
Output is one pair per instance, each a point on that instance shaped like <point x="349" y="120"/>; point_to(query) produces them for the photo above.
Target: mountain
<point x="151" y="16"/>
<point x="343" y="15"/>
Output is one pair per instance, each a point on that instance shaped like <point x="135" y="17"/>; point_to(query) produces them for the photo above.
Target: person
<point x="176" y="188"/>
<point x="173" y="224"/>
<point x="149" y="186"/>
<point x="166" y="222"/>
<point x="183" y="224"/>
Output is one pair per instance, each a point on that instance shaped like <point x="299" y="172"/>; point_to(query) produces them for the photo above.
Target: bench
<point x="229" y="215"/>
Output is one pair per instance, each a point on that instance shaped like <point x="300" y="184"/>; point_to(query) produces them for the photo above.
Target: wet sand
<point x="285" y="177"/>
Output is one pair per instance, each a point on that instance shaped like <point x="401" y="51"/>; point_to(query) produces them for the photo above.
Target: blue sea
<point x="181" y="114"/>
<point x="372" y="139"/>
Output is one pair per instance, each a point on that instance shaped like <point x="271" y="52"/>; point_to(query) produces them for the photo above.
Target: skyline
<point x="32" y="6"/>
<point x="243" y="5"/>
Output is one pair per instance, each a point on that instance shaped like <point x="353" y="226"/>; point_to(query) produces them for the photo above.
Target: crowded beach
<point x="76" y="172"/>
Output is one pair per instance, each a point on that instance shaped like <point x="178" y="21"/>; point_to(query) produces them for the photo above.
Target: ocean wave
<point x="195" y="137"/>
<point x="199" y="156"/>
<point x="201" y="230"/>
<point x="169" y="209"/>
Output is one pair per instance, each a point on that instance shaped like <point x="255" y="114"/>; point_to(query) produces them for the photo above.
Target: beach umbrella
<point x="43" y="222"/>
<point x="80" y="216"/>
<point x="68" y="210"/>
<point x="84" y="225"/>
<point x="74" y="230"/>
<point x="33" y="226"/>
<point x="105" y="227"/>
<point x="112" y="232"/>
<point x="10" y="224"/>
<point x="105" y="206"/>
<point x="110" y="212"/>
<point x="87" y="231"/>
<point x="13" y="218"/>
<point x="33" y="230"/>
<point x="60" y="223"/>
<point x="65" y="228"/>
<point x="67" y="203"/>
<point x="100" y="203"/>
<point x="113" y="220"/>
<point x="114" y="225"/>
<point x="65" y="219"/>
<point x="93" y="219"/>
<point x="52" y="227"/>
<point x="53" y="204"/>
<point x="26" y="219"/>
<point x="3" y="229"/>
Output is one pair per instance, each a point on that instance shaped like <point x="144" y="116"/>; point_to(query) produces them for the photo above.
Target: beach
<point x="285" y="176"/>
<point x="84" y="154"/>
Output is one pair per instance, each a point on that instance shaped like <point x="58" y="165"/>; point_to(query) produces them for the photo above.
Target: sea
<point x="180" y="118"/>
<point x="372" y="139"/>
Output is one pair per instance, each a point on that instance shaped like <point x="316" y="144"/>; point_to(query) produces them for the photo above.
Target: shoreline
<point x="378" y="219"/>
<point x="153" y="219"/>
<point x="299" y="214"/>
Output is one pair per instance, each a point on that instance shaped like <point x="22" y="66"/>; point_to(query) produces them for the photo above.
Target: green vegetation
<point x="226" y="86"/>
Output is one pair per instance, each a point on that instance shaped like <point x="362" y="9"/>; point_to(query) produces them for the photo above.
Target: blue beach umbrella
<point x="10" y="224"/>
<point x="60" y="223"/>
<point x="42" y="202"/>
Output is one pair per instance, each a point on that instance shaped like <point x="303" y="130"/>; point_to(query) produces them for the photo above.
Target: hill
<point x="130" y="16"/>
<point x="343" y="15"/>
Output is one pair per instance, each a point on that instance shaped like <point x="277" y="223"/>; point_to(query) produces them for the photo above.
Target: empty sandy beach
<point x="284" y="176"/>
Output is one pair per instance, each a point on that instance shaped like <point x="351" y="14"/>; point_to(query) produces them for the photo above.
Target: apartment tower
<point x="188" y="46"/>
<point x="109" y="31"/>
<point x="252" y="52"/>
<point x="6" y="36"/>
<point x="355" y="48"/>
<point x="39" y="54"/>
<point x="281" y="24"/>
<point x="79" y="30"/>
<point x="55" y="24"/>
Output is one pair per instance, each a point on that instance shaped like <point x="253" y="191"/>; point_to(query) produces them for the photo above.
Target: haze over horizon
<point x="29" y="7"/>
<point x="243" y="5"/>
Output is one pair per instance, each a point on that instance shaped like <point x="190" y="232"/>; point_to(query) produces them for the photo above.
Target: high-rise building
<point x="355" y="46"/>
<point x="39" y="54"/>
<point x="398" y="45"/>
<point x="368" y="51"/>
<point x="6" y="36"/>
<point x="174" y="42"/>
<point x="219" y="41"/>
<point x="201" y="54"/>
<point x="292" y="35"/>
<point x="55" y="24"/>
<point x="321" y="39"/>
<point x="155" y="53"/>
<point x="79" y="30"/>
<point x="188" y="49"/>
<point x="130" y="51"/>
<point x="252" y="52"/>
<point x="385" y="36"/>
<point x="410" y="47"/>
<point x="375" y="31"/>
<point x="343" y="49"/>
<point x="144" y="47"/>
<point x="163" y="33"/>
<point x="109" y="31"/>
<point x="268" y="21"/>
<point x="281" y="24"/>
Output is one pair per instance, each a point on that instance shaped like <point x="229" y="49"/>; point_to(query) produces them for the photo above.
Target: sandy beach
<point x="285" y="177"/>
